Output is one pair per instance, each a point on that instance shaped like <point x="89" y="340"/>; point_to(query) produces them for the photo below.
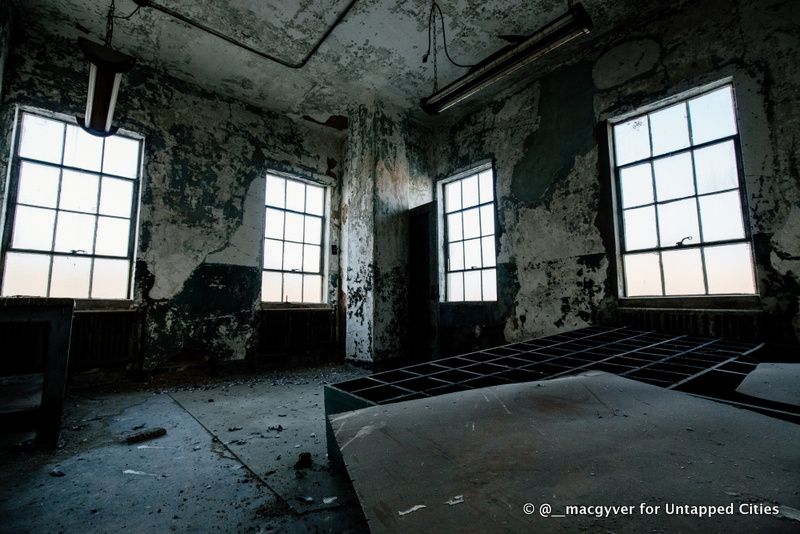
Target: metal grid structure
<point x="687" y="363"/>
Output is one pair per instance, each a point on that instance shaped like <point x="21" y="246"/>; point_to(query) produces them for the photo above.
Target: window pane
<point x="472" y="285"/>
<point x="712" y="116"/>
<point x="121" y="156"/>
<point x="722" y="216"/>
<point x="452" y="196"/>
<point x="292" y="287"/>
<point x="79" y="191"/>
<point x="730" y="269"/>
<point x="26" y="274"/>
<point x="273" y="254"/>
<point x="82" y="149"/>
<point x="632" y="140"/>
<point x="472" y="254"/>
<point x="637" y="185"/>
<point x="116" y="197"/>
<point x="472" y="224"/>
<point x="38" y="185"/>
<point x="294" y="227"/>
<point x="716" y="168"/>
<point x="41" y="138"/>
<point x="271" y="286"/>
<point x="487" y="220"/>
<point x="669" y="129"/>
<point x="110" y="279"/>
<point x="33" y="228"/>
<point x="677" y="221"/>
<point x="683" y="272"/>
<point x="70" y="277"/>
<point x="674" y="177"/>
<point x="295" y="195"/>
<point x="489" y="284"/>
<point x="292" y="257"/>
<point x="454" y="232"/>
<point x="640" y="228"/>
<point x="315" y="197"/>
<point x="112" y="237"/>
<point x="487" y="248"/>
<point x="311" y="258"/>
<point x="74" y="233"/>
<point x="469" y="191"/>
<point x="642" y="274"/>
<point x="273" y="224"/>
<point x="276" y="190"/>
<point x="312" y="288"/>
<point x="313" y="231"/>
<point x="455" y="287"/>
<point x="455" y="254"/>
<point x="486" y="186"/>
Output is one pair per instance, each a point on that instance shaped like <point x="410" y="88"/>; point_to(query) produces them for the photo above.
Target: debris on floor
<point x="305" y="461"/>
<point x="412" y="509"/>
<point x="56" y="472"/>
<point x="145" y="435"/>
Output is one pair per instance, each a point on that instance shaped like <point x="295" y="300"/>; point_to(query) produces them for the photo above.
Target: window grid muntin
<point x="13" y="193"/>
<point x="691" y="148"/>
<point x="447" y="242"/>
<point x="284" y="210"/>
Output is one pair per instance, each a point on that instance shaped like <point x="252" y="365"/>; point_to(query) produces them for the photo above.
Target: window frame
<point x="443" y="251"/>
<point x="324" y="239"/>
<point x="10" y="204"/>
<point x="618" y="209"/>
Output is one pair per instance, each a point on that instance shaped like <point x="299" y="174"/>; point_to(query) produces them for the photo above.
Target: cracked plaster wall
<point x="556" y="251"/>
<point x="201" y="222"/>
<point x="386" y="169"/>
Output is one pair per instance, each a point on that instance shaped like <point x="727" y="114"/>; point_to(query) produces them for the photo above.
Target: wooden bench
<point x="56" y="314"/>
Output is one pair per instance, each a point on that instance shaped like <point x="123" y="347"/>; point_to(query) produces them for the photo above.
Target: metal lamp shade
<point x="106" y="67"/>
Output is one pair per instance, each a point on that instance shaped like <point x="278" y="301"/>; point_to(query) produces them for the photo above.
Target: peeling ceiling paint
<point x="376" y="51"/>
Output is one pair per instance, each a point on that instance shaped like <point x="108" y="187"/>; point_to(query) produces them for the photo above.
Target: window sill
<point x="468" y="303"/>
<point x="103" y="305"/>
<point x="715" y="302"/>
<point x="295" y="306"/>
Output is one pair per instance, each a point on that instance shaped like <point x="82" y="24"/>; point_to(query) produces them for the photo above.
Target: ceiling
<point x="377" y="48"/>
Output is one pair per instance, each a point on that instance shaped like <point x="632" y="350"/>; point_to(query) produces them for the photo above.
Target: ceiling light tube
<point x="106" y="67"/>
<point x="572" y="24"/>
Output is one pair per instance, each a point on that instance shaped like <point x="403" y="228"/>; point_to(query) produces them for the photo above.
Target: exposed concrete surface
<point x="377" y="48"/>
<point x="185" y="481"/>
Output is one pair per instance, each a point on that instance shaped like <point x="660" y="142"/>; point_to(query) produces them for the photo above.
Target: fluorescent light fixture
<point x="106" y="67"/>
<point x="572" y="24"/>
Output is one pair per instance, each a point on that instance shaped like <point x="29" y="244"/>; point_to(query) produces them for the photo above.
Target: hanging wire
<point x="432" y="29"/>
<point x="110" y="23"/>
<point x="112" y="9"/>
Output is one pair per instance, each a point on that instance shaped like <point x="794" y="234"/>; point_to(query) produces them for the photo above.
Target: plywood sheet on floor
<point x="594" y="439"/>
<point x="779" y="382"/>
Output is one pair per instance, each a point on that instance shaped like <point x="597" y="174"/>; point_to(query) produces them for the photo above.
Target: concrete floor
<point x="189" y="480"/>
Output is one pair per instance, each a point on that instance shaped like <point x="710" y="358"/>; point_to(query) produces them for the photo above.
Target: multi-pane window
<point x="683" y="225"/>
<point x="470" y="254"/>
<point x="293" y="241"/>
<point x="71" y="212"/>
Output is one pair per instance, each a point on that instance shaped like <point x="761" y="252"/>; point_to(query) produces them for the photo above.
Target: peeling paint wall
<point x="198" y="269"/>
<point x="5" y="37"/>
<point x="386" y="176"/>
<point x="555" y="248"/>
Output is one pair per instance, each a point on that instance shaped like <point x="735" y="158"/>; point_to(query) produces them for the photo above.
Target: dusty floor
<point x="223" y="465"/>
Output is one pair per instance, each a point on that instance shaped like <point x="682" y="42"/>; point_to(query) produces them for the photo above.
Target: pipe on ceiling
<point x="231" y="40"/>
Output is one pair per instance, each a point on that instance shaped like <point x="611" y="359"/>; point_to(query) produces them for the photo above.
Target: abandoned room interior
<point x="399" y="266"/>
